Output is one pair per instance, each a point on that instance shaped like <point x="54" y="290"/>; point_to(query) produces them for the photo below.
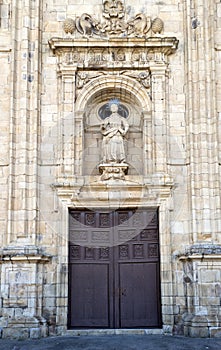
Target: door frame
<point x="159" y="280"/>
<point x="166" y="271"/>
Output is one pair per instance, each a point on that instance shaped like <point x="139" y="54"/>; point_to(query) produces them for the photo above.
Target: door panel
<point x="138" y="295"/>
<point x="90" y="295"/>
<point x="114" y="269"/>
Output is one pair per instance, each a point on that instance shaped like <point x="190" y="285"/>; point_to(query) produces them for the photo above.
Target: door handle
<point x="120" y="292"/>
<point x="123" y="292"/>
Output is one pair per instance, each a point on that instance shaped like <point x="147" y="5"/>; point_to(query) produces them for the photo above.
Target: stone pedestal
<point x="115" y="171"/>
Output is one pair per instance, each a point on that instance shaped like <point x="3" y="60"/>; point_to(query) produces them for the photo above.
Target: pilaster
<point x="66" y="132"/>
<point x="201" y="117"/>
<point x="158" y="75"/>
<point x="23" y="188"/>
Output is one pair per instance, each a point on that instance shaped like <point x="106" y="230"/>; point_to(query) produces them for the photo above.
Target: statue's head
<point x="114" y="107"/>
<point x="113" y="104"/>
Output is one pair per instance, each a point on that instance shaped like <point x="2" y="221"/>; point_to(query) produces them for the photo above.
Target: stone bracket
<point x="113" y="171"/>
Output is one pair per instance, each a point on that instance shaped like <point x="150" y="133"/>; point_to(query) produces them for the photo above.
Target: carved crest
<point x="114" y="24"/>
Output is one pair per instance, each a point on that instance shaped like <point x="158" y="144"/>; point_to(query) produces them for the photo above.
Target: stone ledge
<point x="96" y="332"/>
<point x="158" y="179"/>
<point x="201" y="252"/>
<point x="133" y="191"/>
<point x="201" y="257"/>
<point x="29" y="254"/>
<point x="167" y="45"/>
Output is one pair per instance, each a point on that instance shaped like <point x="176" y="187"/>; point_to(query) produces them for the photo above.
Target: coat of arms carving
<point x="114" y="25"/>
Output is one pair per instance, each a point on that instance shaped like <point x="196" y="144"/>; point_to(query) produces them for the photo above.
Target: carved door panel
<point x="90" y="270"/>
<point x="89" y="293"/>
<point x="114" y="269"/>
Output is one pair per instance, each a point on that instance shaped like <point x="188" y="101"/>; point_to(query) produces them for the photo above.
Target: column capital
<point x="67" y="71"/>
<point x="158" y="69"/>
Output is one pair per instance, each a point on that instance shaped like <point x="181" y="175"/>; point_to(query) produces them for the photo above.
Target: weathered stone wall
<point x="47" y="163"/>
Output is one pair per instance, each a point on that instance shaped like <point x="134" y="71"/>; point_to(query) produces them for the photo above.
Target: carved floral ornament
<point x="83" y="77"/>
<point x="114" y="23"/>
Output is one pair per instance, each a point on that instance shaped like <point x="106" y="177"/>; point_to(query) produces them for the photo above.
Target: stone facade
<point x="60" y="64"/>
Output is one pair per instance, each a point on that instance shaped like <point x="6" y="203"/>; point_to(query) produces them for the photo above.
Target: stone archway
<point x="135" y="98"/>
<point x="122" y="85"/>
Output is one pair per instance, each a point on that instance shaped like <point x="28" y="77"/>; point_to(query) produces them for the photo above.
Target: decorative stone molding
<point x="113" y="171"/>
<point x="114" y="25"/>
<point x="96" y="193"/>
<point x="24" y="255"/>
<point x="25" y="259"/>
<point x="85" y="76"/>
<point x="105" y="51"/>
<point x="202" y="252"/>
<point x="111" y="58"/>
<point x="142" y="77"/>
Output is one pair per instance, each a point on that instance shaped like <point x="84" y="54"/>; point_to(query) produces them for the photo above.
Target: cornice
<point x="166" y="45"/>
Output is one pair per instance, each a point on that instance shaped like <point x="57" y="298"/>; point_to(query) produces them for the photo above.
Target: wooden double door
<point x="114" y="279"/>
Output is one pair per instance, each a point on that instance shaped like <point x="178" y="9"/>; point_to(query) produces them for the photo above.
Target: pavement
<point x="113" y="342"/>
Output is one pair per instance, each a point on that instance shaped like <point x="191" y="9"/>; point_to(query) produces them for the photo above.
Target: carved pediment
<point x="114" y="42"/>
<point x="114" y="23"/>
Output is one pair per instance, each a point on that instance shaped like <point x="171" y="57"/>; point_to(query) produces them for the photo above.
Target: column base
<point x="23" y="327"/>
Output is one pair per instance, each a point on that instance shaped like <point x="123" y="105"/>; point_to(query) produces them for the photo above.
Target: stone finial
<point x="157" y="25"/>
<point x="69" y="26"/>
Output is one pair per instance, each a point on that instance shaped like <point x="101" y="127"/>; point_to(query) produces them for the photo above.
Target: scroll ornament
<point x="114" y="24"/>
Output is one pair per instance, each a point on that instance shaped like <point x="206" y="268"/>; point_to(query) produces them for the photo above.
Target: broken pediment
<point x="114" y="41"/>
<point x="114" y="23"/>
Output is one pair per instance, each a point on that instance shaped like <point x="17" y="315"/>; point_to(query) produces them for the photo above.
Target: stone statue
<point x="113" y="129"/>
